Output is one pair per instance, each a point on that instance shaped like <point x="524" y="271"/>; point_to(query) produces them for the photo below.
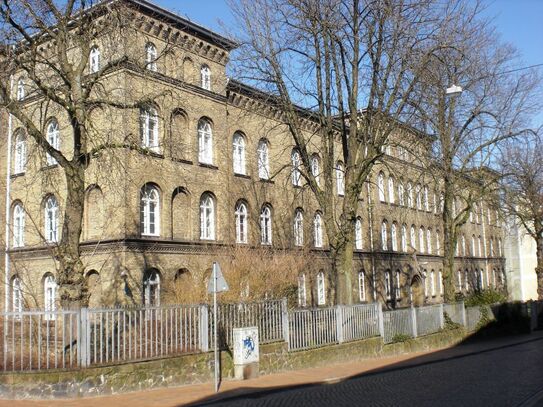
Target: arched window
<point x="51" y="220"/>
<point x="429" y="241"/>
<point x="340" y="178"/>
<point x="438" y="243"/>
<point x="409" y="195"/>
<point x="398" y="286"/>
<point x="94" y="60"/>
<point x="426" y="199"/>
<point x="391" y="196"/>
<point x="479" y="246"/>
<point x="459" y="280"/>
<point x="298" y="228"/>
<point x="265" y="226"/>
<point x="16" y="295"/>
<point x="418" y="197"/>
<point x="20" y="153"/>
<point x="362" y="286"/>
<point x="149" y="128"/>
<point x="471" y="215"/>
<point x="317" y="230"/>
<point x="388" y="285"/>
<point x="384" y="235"/>
<point x="151" y="288"/>
<point x="296" y="163"/>
<point x="433" y="283"/>
<point x="381" y="187"/>
<point x="476" y="210"/>
<point x="205" y="77"/>
<point x="49" y="296"/>
<point x="466" y="279"/>
<point x="21" y="89"/>
<point x="434" y="201"/>
<point x="241" y="223"/>
<point x="426" y="278"/>
<point x="481" y="280"/>
<point x="401" y="194"/>
<point x="358" y="242"/>
<point x="150" y="211"/>
<point x="413" y="237"/>
<point x="207" y="217"/>
<point x="500" y="248"/>
<point x="421" y="240"/>
<point x="404" y="238"/>
<point x="302" y="291"/>
<point x="454" y="207"/>
<point x="463" y="245"/>
<point x="394" y="236"/>
<point x="53" y="137"/>
<point x="473" y="247"/>
<point x="491" y="248"/>
<point x="150" y="56"/>
<point x="440" y="282"/>
<point x="238" y="146"/>
<point x="315" y="169"/>
<point x="205" y="142"/>
<point x="18" y="225"/>
<point x="263" y="160"/>
<point x="441" y="202"/>
<point x="321" y="289"/>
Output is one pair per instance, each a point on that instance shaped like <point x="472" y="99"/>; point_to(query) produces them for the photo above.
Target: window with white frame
<point x="358" y="242"/>
<point x="302" y="291"/>
<point x="315" y="169"/>
<point x="340" y="178"/>
<point x="321" y="289"/>
<point x="205" y="77"/>
<point x="441" y="202"/>
<point x="317" y="230"/>
<point x="394" y="236"/>
<point x="238" y="145"/>
<point x="94" y="60"/>
<point x="480" y="246"/>
<point x="459" y="280"/>
<point x="207" y="217"/>
<point x="263" y="160"/>
<point x="397" y="286"/>
<point x="241" y="223"/>
<point x="476" y="210"/>
<point x="205" y="142"/>
<point x="404" y="238"/>
<point x="20" y="153"/>
<point x="401" y="194"/>
<point x="409" y="195"/>
<point x="488" y="216"/>
<point x="413" y="237"/>
<point x="466" y="280"/>
<point x="499" y="247"/>
<point x="491" y="248"/>
<point x="150" y="56"/>
<point x="150" y="211"/>
<point x="426" y="281"/>
<point x="438" y="243"/>
<point x="362" y="286"/>
<point x="265" y="226"/>
<point x="51" y="220"/>
<point x="463" y="245"/>
<point x="440" y="281"/>
<point x="391" y="192"/>
<point x="429" y="241"/>
<point x="381" y="187"/>
<point x="21" y="92"/>
<point x="421" y="240"/>
<point x="149" y="128"/>
<point x="296" y="163"/>
<point x="473" y="247"/>
<point x="384" y="235"/>
<point x="49" y="296"/>
<point x="53" y="137"/>
<point x="425" y="199"/>
<point x="298" y="228"/>
<point x="18" y="225"/>
<point x="388" y="285"/>
<point x="151" y="288"/>
<point x="481" y="280"/>
<point x="435" y="202"/>
<point x="418" y="197"/>
<point x="433" y="283"/>
<point x="454" y="207"/>
<point x="16" y="295"/>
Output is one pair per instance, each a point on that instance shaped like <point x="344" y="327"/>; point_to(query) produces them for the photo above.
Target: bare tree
<point x="522" y="169"/>
<point x="355" y="65"/>
<point x="50" y="44"/>
<point x="492" y="108"/>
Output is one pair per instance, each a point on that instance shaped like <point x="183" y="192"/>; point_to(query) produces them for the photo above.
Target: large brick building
<point x="216" y="170"/>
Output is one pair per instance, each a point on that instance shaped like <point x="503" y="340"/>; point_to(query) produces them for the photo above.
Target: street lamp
<point x="453" y="90"/>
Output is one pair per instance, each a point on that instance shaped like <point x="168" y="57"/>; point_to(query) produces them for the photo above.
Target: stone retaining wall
<point x="198" y="368"/>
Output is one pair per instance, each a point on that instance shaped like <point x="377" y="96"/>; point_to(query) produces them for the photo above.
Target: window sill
<point x="144" y="235"/>
<point x="148" y="151"/>
<point x="266" y="181"/>
<point x="244" y="176"/>
<point x="210" y="166"/>
<point x="182" y="160"/>
<point x="17" y="175"/>
<point x="49" y="166"/>
<point x="207" y="239"/>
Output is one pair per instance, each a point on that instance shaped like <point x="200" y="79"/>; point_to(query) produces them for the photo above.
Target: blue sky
<point x="520" y="22"/>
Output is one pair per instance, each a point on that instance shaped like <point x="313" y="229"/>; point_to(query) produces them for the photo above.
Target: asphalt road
<point x="508" y="376"/>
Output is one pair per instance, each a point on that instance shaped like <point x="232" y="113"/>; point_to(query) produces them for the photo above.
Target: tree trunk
<point x="73" y="291"/>
<point x="449" y="245"/>
<point x="539" y="267"/>
<point x="342" y="266"/>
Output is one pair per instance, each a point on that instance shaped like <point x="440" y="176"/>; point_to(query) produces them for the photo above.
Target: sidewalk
<point x="177" y="396"/>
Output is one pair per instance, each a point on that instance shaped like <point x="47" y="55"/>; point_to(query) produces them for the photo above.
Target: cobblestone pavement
<point x="508" y="376"/>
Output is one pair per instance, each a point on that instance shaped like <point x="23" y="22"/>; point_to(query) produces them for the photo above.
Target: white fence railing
<point x="35" y="340"/>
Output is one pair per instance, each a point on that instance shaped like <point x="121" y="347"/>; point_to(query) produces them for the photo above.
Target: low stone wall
<point x="197" y="368"/>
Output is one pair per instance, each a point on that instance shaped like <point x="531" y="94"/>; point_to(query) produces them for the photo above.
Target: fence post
<point x="414" y="321"/>
<point x="441" y="316"/>
<point x="204" y="327"/>
<point x="380" y="320"/>
<point x="464" y="317"/>
<point x="83" y="341"/>
<point x="339" y="324"/>
<point x="284" y="319"/>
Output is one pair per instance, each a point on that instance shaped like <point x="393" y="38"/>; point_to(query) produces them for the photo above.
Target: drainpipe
<point x="8" y="217"/>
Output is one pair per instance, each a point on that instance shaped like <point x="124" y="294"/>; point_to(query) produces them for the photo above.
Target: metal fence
<point x="455" y="312"/>
<point x="397" y="322"/>
<point x="473" y="316"/>
<point x="358" y="321"/>
<point x="429" y="319"/>
<point x="312" y="328"/>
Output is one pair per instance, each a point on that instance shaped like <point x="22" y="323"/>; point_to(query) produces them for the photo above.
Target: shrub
<point x="484" y="297"/>
<point x="401" y="338"/>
